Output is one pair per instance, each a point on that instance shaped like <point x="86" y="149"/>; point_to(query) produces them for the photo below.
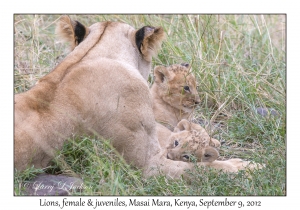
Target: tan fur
<point x="65" y="30"/>
<point x="186" y="125"/>
<point x="186" y="145"/>
<point x="193" y="140"/>
<point x="99" y="88"/>
<point x="171" y="102"/>
<point x="152" y="42"/>
<point x="190" y="146"/>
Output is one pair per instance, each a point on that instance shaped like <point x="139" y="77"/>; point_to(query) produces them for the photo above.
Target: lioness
<point x="174" y="94"/>
<point x="99" y="88"/>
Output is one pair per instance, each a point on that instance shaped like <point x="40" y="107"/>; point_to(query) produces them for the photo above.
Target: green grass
<point x="243" y="69"/>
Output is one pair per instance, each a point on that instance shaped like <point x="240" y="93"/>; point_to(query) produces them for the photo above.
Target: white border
<point x="8" y="201"/>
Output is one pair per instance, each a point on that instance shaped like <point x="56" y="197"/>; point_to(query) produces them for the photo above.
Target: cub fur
<point x="167" y="137"/>
<point x="174" y="94"/>
<point x="187" y="144"/>
<point x="187" y="125"/>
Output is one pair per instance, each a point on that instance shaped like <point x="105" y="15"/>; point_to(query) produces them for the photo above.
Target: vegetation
<point x="239" y="61"/>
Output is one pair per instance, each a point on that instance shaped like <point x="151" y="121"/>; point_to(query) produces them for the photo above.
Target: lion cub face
<point x="177" y="86"/>
<point x="190" y="145"/>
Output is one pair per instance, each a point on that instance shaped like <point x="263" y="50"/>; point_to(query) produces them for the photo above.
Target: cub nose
<point x="197" y="100"/>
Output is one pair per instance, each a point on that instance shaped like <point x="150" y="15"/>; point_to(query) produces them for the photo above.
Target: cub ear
<point x="71" y="31"/>
<point x="162" y="73"/>
<point x="183" y="125"/>
<point x="185" y="65"/>
<point x="215" y="143"/>
<point x="188" y="66"/>
<point x="210" y="154"/>
<point x="148" y="40"/>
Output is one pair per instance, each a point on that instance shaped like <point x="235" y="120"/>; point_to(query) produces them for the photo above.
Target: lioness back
<point x="99" y="88"/>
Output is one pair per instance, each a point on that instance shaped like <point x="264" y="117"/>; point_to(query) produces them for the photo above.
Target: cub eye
<point x="176" y="143"/>
<point x="207" y="155"/>
<point x="186" y="157"/>
<point x="186" y="88"/>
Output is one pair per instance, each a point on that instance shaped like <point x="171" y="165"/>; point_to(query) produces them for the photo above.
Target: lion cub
<point x="186" y="144"/>
<point x="174" y="94"/>
<point x="186" y="125"/>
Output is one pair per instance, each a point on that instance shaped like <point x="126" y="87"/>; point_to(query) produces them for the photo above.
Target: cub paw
<point x="243" y="165"/>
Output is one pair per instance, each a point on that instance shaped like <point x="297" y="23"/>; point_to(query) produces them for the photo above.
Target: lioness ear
<point x="183" y="125"/>
<point x="210" y="154"/>
<point x="162" y="73"/>
<point x="71" y="31"/>
<point x="148" y="40"/>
